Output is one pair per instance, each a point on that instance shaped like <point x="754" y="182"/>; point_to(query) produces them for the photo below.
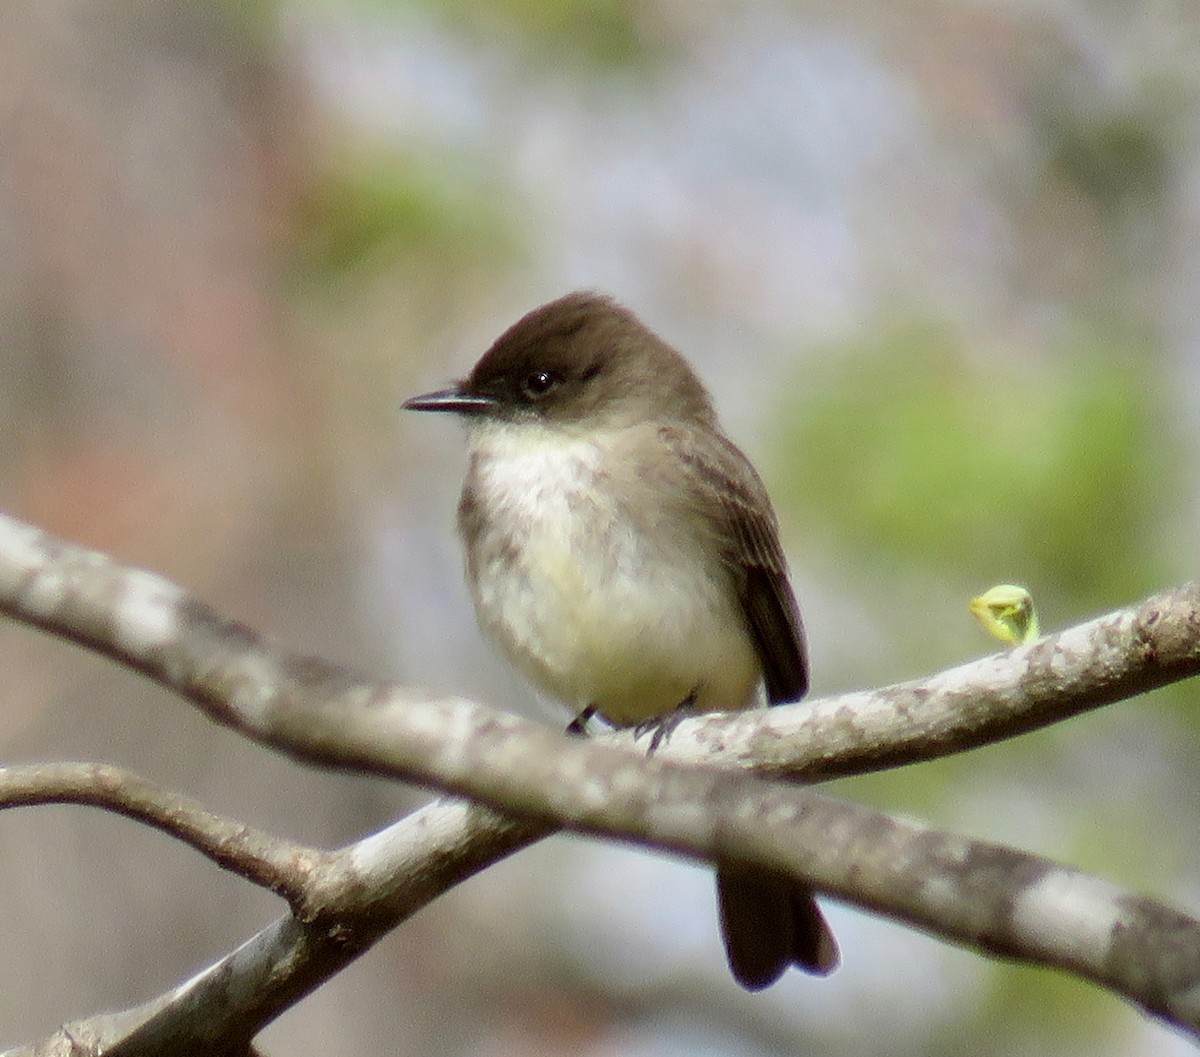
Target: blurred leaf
<point x="1111" y="161"/>
<point x="256" y="19"/>
<point x="1032" y="1010"/>
<point x="608" y="34"/>
<point x="373" y="206"/>
<point x="1048" y="470"/>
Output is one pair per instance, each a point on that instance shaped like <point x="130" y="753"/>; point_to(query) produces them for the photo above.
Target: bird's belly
<point x="597" y="615"/>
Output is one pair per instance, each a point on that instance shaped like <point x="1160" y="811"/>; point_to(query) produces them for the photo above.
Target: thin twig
<point x="261" y="858"/>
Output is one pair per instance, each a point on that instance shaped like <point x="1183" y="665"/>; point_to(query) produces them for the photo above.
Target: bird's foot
<point x="660" y="728"/>
<point x="577" y="728"/>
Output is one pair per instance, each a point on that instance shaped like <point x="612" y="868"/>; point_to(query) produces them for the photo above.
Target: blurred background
<point x="940" y="262"/>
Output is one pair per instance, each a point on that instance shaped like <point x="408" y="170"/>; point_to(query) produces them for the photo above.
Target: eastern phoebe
<point x="626" y="557"/>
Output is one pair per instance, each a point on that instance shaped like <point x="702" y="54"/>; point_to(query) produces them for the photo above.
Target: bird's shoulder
<point x="721" y="479"/>
<point x="737" y="505"/>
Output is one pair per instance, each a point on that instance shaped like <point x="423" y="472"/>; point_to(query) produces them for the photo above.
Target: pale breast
<point x="585" y="600"/>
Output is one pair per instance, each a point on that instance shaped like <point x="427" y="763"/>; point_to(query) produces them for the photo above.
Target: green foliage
<point x="370" y="207"/>
<point x="1031" y="1010"/>
<point x="254" y="20"/>
<point x="1117" y="160"/>
<point x="917" y="460"/>
<point x="605" y="34"/>
<point x="920" y="453"/>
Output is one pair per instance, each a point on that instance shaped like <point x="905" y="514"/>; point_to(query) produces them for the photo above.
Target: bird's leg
<point x="577" y="728"/>
<point x="663" y="726"/>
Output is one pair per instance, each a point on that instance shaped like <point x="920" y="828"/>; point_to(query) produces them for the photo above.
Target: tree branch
<point x="363" y="892"/>
<point x="996" y="899"/>
<point x="266" y="860"/>
<point x="1111" y="658"/>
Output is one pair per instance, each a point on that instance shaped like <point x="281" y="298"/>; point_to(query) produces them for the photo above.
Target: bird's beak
<point x="455" y="399"/>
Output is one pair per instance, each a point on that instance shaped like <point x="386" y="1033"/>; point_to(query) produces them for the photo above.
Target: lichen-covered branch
<point x="362" y="892"/>
<point x="996" y="899"/>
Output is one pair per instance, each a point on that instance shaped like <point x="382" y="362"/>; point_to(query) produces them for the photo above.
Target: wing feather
<point x="748" y="536"/>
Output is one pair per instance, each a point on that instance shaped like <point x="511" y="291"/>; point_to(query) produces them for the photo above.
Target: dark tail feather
<point x="769" y="923"/>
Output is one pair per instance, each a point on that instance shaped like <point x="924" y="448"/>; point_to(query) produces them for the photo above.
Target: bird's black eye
<point x="538" y="383"/>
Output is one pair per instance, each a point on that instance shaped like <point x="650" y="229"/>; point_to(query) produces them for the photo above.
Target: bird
<point x="624" y="554"/>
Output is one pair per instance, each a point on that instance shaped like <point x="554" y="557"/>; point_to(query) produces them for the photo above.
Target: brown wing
<point x="749" y="540"/>
<point x="767" y="923"/>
